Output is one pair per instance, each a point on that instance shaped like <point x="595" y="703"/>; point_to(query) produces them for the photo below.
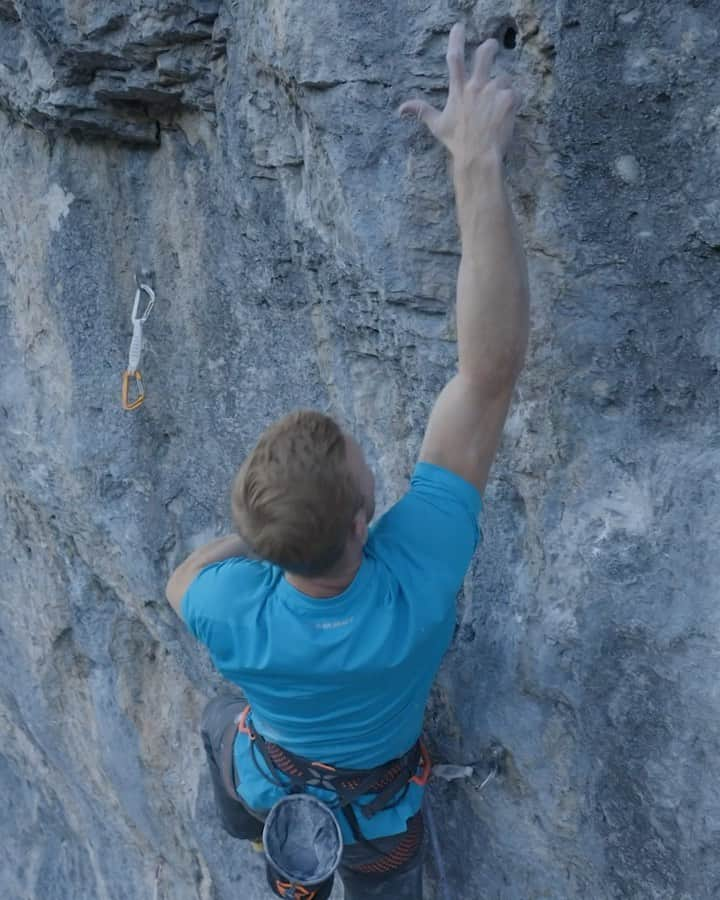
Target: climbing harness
<point x="388" y="783"/>
<point x="132" y="373"/>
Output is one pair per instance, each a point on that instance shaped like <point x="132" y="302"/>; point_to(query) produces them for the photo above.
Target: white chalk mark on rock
<point x="627" y="168"/>
<point x="57" y="204"/>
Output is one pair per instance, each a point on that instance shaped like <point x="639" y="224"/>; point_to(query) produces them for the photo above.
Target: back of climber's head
<point x="305" y="495"/>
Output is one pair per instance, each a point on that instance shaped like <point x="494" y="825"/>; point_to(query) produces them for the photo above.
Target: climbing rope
<point x="132" y="372"/>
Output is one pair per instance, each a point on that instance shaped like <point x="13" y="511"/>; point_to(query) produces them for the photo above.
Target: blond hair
<point x="295" y="498"/>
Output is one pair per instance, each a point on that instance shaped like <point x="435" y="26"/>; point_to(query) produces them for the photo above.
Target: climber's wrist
<point x="480" y="195"/>
<point x="475" y="173"/>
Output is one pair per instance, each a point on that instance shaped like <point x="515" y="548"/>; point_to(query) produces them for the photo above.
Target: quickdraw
<point x="132" y="373"/>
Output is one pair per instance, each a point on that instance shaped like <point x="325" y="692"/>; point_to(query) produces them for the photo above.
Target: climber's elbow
<point x="177" y="586"/>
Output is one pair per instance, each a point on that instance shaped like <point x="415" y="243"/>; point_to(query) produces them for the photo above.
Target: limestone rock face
<point x="302" y="244"/>
<point x="114" y="70"/>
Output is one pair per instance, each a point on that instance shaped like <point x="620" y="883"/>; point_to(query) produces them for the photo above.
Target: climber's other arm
<point x="492" y="290"/>
<point x="222" y="548"/>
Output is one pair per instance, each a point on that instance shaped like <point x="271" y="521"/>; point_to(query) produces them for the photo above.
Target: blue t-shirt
<point x="344" y="680"/>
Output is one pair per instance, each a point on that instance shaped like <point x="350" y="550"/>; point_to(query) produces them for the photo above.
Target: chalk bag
<point x="303" y="846"/>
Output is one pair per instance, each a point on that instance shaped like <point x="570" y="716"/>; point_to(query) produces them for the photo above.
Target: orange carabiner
<point x="424" y="777"/>
<point x="127" y="403"/>
<point x="242" y="723"/>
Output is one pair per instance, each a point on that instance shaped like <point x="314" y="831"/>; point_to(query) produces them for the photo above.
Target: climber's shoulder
<point x="223" y="590"/>
<point x="429" y="536"/>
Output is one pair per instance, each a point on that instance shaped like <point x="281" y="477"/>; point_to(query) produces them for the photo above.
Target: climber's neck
<point x="322" y="587"/>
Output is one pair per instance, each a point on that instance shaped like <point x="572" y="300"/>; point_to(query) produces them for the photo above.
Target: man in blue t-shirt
<point x="334" y="629"/>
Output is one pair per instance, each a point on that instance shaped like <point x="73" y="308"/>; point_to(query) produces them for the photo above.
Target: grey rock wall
<point x="303" y="247"/>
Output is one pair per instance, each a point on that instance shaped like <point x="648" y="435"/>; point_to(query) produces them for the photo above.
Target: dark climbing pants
<point x="219" y="725"/>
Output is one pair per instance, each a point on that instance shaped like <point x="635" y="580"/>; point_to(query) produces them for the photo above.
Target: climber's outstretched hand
<point x="476" y="126"/>
<point x="479" y="115"/>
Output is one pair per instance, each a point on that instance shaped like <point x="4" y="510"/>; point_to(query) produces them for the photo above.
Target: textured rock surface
<point x="304" y="251"/>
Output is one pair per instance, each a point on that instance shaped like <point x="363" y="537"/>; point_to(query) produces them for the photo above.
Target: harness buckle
<point x="423" y="778"/>
<point x="127" y="403"/>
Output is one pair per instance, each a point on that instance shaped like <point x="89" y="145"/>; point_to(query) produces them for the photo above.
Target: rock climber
<point x="334" y="629"/>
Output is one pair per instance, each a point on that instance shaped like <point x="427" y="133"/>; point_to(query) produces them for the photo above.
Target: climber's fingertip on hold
<point x="422" y="111"/>
<point x="408" y="108"/>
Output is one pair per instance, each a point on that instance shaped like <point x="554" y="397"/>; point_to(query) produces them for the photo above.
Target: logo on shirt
<point x="337" y="624"/>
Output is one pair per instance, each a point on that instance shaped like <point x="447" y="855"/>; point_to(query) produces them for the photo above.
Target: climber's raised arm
<point x="492" y="291"/>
